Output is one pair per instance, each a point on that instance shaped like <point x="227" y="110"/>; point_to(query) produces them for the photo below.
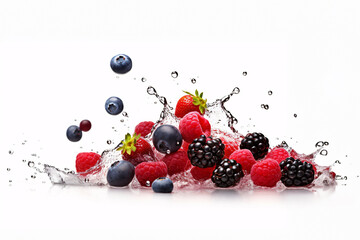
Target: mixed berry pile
<point x="154" y="153"/>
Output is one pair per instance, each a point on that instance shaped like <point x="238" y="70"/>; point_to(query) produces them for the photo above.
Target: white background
<point x="54" y="72"/>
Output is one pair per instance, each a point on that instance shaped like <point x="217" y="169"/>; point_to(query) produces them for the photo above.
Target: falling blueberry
<point x="114" y="105"/>
<point x="74" y="133"/>
<point x="121" y="63"/>
<point x="162" y="185"/>
<point x="167" y="139"/>
<point x="120" y="174"/>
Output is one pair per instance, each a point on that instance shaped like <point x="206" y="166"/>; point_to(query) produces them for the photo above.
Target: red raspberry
<point x="87" y="160"/>
<point x="192" y="125"/>
<point x="266" y="173"/>
<point x="231" y="145"/>
<point x="278" y="154"/>
<point x="176" y="162"/>
<point x="185" y="145"/>
<point x="149" y="171"/>
<point x="144" y="128"/>
<point x="202" y="174"/>
<point x="245" y="158"/>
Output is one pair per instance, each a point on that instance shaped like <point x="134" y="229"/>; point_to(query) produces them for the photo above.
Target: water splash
<point x="223" y="123"/>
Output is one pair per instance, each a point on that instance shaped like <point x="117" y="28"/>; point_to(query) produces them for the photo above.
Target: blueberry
<point x="121" y="63"/>
<point x="120" y="173"/>
<point x="73" y="133"/>
<point x="114" y="105"/>
<point x="162" y="185"/>
<point x="167" y="139"/>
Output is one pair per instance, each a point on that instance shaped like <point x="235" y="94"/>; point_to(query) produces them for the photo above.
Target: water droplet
<point x="122" y="120"/>
<point x="338" y="162"/>
<point x="125" y="114"/>
<point x="8" y="169"/>
<point x="326" y="143"/>
<point x="143" y="79"/>
<point x="319" y="144"/>
<point x="295" y="115"/>
<point x="193" y="80"/>
<point x="10" y="181"/>
<point x="265" y="106"/>
<point x="23" y="160"/>
<point x="147" y="183"/>
<point x="151" y="91"/>
<point x="86" y="180"/>
<point x="324" y="152"/>
<point x="236" y="90"/>
<point x="284" y="144"/>
<point x="33" y="155"/>
<point x="108" y="142"/>
<point x="33" y="176"/>
<point x="174" y="74"/>
<point x="270" y="92"/>
<point x="244" y="73"/>
<point x="31" y="164"/>
<point x="168" y="151"/>
<point x="11" y="152"/>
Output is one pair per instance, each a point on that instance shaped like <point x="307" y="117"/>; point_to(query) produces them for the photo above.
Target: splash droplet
<point x="33" y="176"/>
<point x="147" y="183"/>
<point x="319" y="144"/>
<point x="284" y="144"/>
<point x="326" y="143"/>
<point x="8" y="169"/>
<point x="125" y="114"/>
<point x="236" y="90"/>
<point x="338" y="162"/>
<point x="244" y="73"/>
<point x="23" y="160"/>
<point x="11" y="152"/>
<point x="265" y="106"/>
<point x="31" y="164"/>
<point x="193" y="80"/>
<point x="270" y="92"/>
<point x="174" y="74"/>
<point x="295" y="115"/>
<point x="108" y="142"/>
<point x="143" y="79"/>
<point x="324" y="152"/>
<point x="122" y="120"/>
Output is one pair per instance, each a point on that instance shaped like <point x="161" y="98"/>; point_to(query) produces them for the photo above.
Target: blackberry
<point x="227" y="174"/>
<point x="257" y="143"/>
<point x="205" y="151"/>
<point x="296" y="173"/>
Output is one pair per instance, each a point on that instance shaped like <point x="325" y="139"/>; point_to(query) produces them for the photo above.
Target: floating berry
<point x="121" y="63"/>
<point x="144" y="128"/>
<point x="87" y="163"/>
<point x="192" y="125"/>
<point x="167" y="139"/>
<point x="85" y="125"/>
<point x="227" y="174"/>
<point x="114" y="105"/>
<point x="257" y="143"/>
<point x="73" y="133"/>
<point x="266" y="173"/>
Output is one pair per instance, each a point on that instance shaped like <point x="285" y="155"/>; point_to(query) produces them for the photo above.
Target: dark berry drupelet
<point x="296" y="173"/>
<point x="257" y="143"/>
<point x="205" y="151"/>
<point x="227" y="174"/>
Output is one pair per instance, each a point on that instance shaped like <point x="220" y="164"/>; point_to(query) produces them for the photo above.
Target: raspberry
<point x="202" y="174"/>
<point x="144" y="128"/>
<point x="231" y="145"/>
<point x="245" y="158"/>
<point x="86" y="161"/>
<point x="176" y="162"/>
<point x="278" y="154"/>
<point x="266" y="173"/>
<point x="147" y="172"/>
<point x="192" y="125"/>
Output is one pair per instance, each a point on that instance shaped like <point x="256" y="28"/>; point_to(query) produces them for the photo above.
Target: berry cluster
<point x="193" y="147"/>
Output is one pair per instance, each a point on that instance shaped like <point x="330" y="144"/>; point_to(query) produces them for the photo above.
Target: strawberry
<point x="136" y="149"/>
<point x="190" y="103"/>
